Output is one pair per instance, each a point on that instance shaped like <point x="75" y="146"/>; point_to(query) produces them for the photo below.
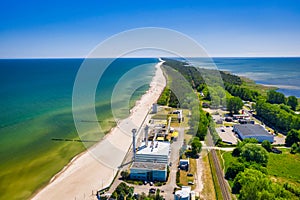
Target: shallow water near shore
<point x="36" y="99"/>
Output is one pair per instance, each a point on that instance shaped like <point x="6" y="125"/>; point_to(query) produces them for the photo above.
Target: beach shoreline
<point x="95" y="168"/>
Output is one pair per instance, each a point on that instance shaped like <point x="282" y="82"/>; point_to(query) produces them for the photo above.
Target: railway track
<point x="219" y="172"/>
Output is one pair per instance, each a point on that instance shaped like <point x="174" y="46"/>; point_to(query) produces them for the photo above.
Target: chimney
<point x="146" y="135"/>
<point x="133" y="143"/>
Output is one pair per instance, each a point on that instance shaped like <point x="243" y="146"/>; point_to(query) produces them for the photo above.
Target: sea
<point x="283" y="73"/>
<point x="36" y="108"/>
<point x="37" y="132"/>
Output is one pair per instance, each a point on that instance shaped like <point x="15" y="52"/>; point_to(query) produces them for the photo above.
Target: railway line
<point x="226" y="194"/>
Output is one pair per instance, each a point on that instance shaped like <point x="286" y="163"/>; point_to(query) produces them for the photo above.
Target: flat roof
<point x="149" y="165"/>
<point x="252" y="130"/>
<point x="158" y="148"/>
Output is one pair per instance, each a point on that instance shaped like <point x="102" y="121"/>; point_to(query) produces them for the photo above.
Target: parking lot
<point x="227" y="134"/>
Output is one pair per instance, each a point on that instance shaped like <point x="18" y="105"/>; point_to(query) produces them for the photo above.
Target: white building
<point x="156" y="152"/>
<point x="151" y="162"/>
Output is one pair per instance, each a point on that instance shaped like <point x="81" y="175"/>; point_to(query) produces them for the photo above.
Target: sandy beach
<point x="96" y="168"/>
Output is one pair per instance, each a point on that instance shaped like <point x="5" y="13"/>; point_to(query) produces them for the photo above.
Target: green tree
<point x="215" y="101"/>
<point x="267" y="145"/>
<point x="275" y="97"/>
<point x="196" y="145"/>
<point x="292" y="101"/>
<point x="294" y="148"/>
<point x="237" y="151"/>
<point x="252" y="152"/>
<point x="292" y="137"/>
<point x="233" y="170"/>
<point x="234" y="104"/>
<point x="125" y="174"/>
<point x="253" y="184"/>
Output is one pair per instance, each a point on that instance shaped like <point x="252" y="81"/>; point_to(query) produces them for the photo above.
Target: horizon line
<point x="295" y="56"/>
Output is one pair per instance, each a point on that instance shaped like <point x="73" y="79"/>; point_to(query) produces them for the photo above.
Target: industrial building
<point x="156" y="152"/>
<point x="151" y="162"/>
<point x="148" y="171"/>
<point x="253" y="131"/>
<point x="150" y="159"/>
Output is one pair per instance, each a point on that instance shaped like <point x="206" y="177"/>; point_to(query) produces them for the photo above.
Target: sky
<point x="33" y="28"/>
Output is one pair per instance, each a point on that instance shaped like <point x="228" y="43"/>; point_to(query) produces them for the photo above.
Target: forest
<point x="274" y="109"/>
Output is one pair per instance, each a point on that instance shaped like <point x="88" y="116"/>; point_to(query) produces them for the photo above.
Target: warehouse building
<point x="253" y="131"/>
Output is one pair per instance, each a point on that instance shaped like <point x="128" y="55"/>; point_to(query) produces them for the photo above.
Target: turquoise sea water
<point x="36" y="101"/>
<point x="284" y="73"/>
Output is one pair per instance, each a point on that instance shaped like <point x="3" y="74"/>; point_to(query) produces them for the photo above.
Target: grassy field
<point x="218" y="191"/>
<point x="285" y="167"/>
<point x="208" y="191"/>
<point x="281" y="167"/>
<point x="228" y="158"/>
<point x="184" y="179"/>
<point x="250" y="84"/>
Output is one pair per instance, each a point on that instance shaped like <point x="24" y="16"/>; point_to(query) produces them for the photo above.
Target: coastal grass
<point x="250" y="84"/>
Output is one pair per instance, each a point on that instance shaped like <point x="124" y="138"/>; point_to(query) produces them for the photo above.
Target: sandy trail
<point x="96" y="168"/>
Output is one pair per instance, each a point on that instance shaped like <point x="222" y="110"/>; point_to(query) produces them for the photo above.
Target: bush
<point x="252" y="152"/>
<point x="233" y="170"/>
<point x="267" y="145"/>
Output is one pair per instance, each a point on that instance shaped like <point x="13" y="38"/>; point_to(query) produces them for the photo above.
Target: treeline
<point x="248" y="174"/>
<point x="274" y="116"/>
<point x="183" y="81"/>
<point x="244" y="93"/>
<point x="293" y="140"/>
<point x="198" y="77"/>
<point x="164" y="97"/>
<point x="206" y="81"/>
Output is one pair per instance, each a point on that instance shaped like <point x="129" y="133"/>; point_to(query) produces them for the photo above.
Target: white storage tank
<point x="183" y="194"/>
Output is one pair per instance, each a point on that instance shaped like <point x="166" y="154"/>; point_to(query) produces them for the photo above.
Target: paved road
<point x="220" y="176"/>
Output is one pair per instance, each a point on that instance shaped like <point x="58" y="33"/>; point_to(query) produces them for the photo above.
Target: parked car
<point x="190" y="174"/>
<point x="191" y="183"/>
<point x="152" y="190"/>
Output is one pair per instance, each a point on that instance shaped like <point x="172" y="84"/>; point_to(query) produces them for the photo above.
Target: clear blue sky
<point x="55" y="28"/>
